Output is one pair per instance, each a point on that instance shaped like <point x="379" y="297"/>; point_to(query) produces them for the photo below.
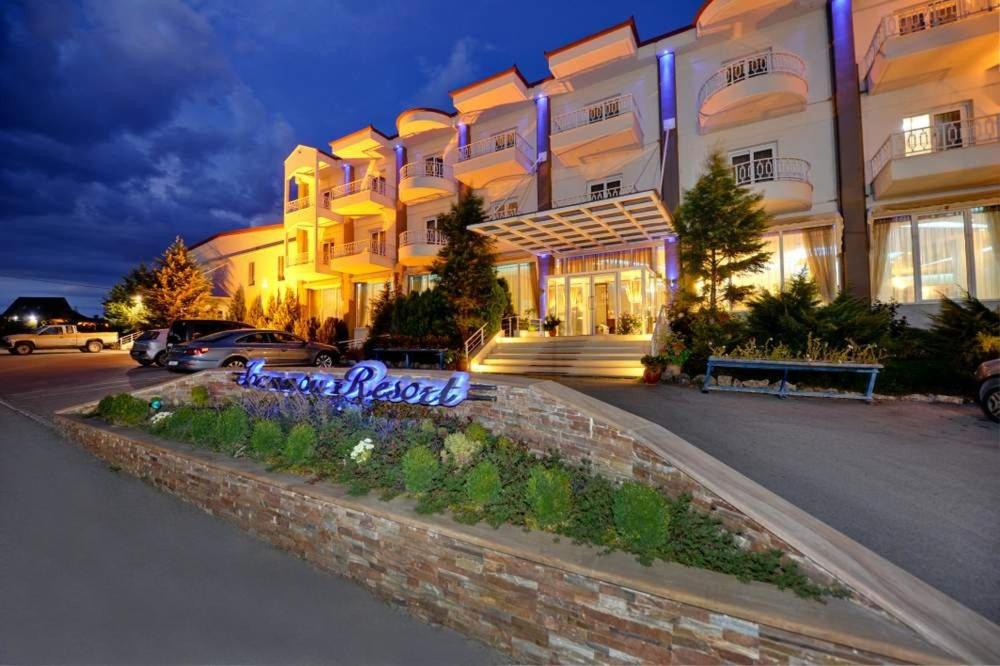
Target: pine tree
<point x="181" y="289"/>
<point x="720" y="226"/>
<point x="255" y="315"/>
<point x="125" y="305"/>
<point x="465" y="268"/>
<point x="238" y="305"/>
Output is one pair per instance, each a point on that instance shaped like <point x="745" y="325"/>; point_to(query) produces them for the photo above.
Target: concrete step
<point x="567" y="363"/>
<point x="625" y="356"/>
<point x="577" y="371"/>
<point x="574" y="347"/>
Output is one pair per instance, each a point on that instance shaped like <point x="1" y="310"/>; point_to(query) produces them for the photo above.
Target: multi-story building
<point x="871" y="131"/>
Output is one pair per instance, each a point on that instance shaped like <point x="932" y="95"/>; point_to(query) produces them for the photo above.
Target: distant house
<point x="43" y="308"/>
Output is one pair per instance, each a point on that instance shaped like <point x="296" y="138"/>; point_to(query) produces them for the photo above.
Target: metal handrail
<point x="422" y="237"/>
<point x="298" y="204"/>
<point x="510" y="140"/>
<point x="943" y="136"/>
<point x="357" y="247"/>
<point x="512" y="324"/>
<point x="372" y="183"/>
<point x="751" y="66"/>
<point x="475" y="341"/>
<point x="501" y="210"/>
<point x="594" y="197"/>
<point x="771" y="168"/>
<point x="431" y="169"/>
<point x="595" y="113"/>
<point x="919" y="18"/>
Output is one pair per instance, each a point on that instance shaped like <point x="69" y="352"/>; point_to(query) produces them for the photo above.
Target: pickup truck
<point x="59" y="336"/>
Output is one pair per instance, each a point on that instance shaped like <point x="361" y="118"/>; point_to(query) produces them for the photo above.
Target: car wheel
<point x="323" y="360"/>
<point x="234" y="363"/>
<point x="991" y="404"/>
<point x="23" y="349"/>
<point x="161" y="359"/>
<point x="95" y="346"/>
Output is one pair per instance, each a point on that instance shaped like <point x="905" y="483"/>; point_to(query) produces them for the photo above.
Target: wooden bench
<point x="714" y="362"/>
<point x="407" y="355"/>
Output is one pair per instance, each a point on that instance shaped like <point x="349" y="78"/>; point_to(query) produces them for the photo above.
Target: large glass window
<point x="941" y="240"/>
<point x="892" y="265"/>
<point x="421" y="283"/>
<point x="365" y="295"/>
<point x="986" y="250"/>
<point x="523" y="283"/>
<point x="812" y="251"/>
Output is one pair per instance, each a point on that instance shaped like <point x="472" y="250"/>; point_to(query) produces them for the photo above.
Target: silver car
<point x="232" y="349"/>
<point x="150" y="347"/>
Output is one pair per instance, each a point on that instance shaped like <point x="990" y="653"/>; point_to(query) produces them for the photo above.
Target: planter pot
<point x="552" y="333"/>
<point x="652" y="375"/>
<point x="462" y="363"/>
<point x="673" y="370"/>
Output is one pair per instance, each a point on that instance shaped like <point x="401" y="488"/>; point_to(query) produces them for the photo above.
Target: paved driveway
<point x="917" y="483"/>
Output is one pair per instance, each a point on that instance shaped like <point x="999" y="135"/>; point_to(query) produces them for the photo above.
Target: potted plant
<point x="551" y="323"/>
<point x="674" y="353"/>
<point x="654" y="368"/>
<point x="628" y="324"/>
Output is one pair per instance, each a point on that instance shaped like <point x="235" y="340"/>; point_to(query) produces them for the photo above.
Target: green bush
<point x="550" y="496"/>
<point x="420" y="469"/>
<point x="178" y="425"/>
<point x="300" y="444"/>
<point x="200" y="397"/>
<point x="482" y="485"/>
<point x="105" y="407"/>
<point x="123" y="409"/>
<point x="641" y="518"/>
<point x="203" y="426"/>
<point x="461" y="448"/>
<point x="266" y="438"/>
<point x="477" y="432"/>
<point x="232" y="428"/>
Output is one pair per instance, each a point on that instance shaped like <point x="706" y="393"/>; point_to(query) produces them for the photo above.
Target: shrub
<point x="482" y="485"/>
<point x="420" y="469"/>
<point x="105" y="407"/>
<point x="203" y="426"/>
<point x="955" y="331"/>
<point x="123" y="409"/>
<point x="199" y="396"/>
<point x="178" y="425"/>
<point x="461" y="448"/>
<point x="477" y="432"/>
<point x="641" y="519"/>
<point x="232" y="428"/>
<point x="550" y="496"/>
<point x="300" y="444"/>
<point x="266" y="438"/>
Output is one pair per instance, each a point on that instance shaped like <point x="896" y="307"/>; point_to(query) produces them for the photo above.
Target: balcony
<point x="299" y="212"/>
<point x="922" y="42"/>
<point x="365" y="196"/>
<point x="364" y="256"/>
<point x="303" y="266"/>
<point x="783" y="182"/>
<point x="757" y="87"/>
<point x="947" y="156"/>
<point x="423" y="181"/>
<point x="498" y="156"/>
<point x="420" y="247"/>
<point x="596" y="129"/>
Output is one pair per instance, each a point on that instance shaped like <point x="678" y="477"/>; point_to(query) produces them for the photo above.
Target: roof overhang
<point x="637" y="217"/>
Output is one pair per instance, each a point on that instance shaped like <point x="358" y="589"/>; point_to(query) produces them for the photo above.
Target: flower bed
<point x="459" y="466"/>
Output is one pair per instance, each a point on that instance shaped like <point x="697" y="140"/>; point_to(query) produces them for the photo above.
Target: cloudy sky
<point x="126" y="122"/>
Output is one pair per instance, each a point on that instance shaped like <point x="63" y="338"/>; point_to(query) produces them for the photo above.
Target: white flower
<point x="362" y="451"/>
<point x="160" y="416"/>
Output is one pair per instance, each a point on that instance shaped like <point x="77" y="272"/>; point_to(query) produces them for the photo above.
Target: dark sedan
<point x="232" y="349"/>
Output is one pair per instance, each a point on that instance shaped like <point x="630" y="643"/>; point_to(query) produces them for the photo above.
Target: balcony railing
<point x="511" y="141"/>
<point x="922" y="17"/>
<point x="299" y="259"/>
<point x="432" y="169"/>
<point x="594" y="113"/>
<point x="943" y="136"/>
<point x="298" y="204"/>
<point x="502" y="210"/>
<point x="759" y="64"/>
<point x="422" y="237"/>
<point x="771" y="168"/>
<point x="368" y="183"/>
<point x="357" y="247"/>
<point x="590" y="197"/>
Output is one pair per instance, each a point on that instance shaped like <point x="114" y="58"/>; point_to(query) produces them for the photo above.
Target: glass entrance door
<point x="594" y="303"/>
<point x="605" y="306"/>
<point x="580" y="305"/>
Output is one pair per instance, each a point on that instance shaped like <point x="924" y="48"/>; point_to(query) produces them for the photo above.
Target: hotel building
<point x="872" y="131"/>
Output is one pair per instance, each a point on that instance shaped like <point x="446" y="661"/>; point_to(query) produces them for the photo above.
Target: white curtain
<point x="986" y="251"/>
<point x="821" y="257"/>
<point x="892" y="260"/>
<point x="941" y="239"/>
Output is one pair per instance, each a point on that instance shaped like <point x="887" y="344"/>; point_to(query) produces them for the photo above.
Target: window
<point x="421" y="283"/>
<point x="365" y="295"/>
<point x="941" y="245"/>
<point x="922" y="17"/>
<point x="286" y="338"/>
<point x="431" y="228"/>
<point x="504" y="140"/>
<point x="434" y="166"/>
<point x="604" y="109"/>
<point x="812" y="250"/>
<point x="605" y="189"/>
<point x="753" y="165"/>
<point x="376" y="242"/>
<point x="251" y="274"/>
<point x="986" y="251"/>
<point x="929" y="132"/>
<point x="522" y="280"/>
<point x="327" y="251"/>
<point x="255" y="339"/>
<point x="502" y="209"/>
<point x="281" y="269"/>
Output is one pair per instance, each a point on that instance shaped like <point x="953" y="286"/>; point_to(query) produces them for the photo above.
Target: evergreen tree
<point x="255" y="315"/>
<point x="125" y="305"/>
<point x="238" y="305"/>
<point x="720" y="226"/>
<point x="465" y="269"/>
<point x="181" y="289"/>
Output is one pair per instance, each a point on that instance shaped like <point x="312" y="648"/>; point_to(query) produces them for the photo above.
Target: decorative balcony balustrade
<point x="427" y="168"/>
<point x="591" y="197"/>
<point x="922" y="17"/>
<point x="383" y="248"/>
<point x="758" y="64"/>
<point x="770" y="169"/>
<point x="422" y="237"/>
<point x="939" y="137"/>
<point x="595" y="113"/>
<point x="368" y="183"/>
<point x="298" y="204"/>
<point x="502" y="210"/>
<point x="507" y="141"/>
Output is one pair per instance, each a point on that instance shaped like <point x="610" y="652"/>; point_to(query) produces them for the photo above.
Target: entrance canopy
<point x="588" y="224"/>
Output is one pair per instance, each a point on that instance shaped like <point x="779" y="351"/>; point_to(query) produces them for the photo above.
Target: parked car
<point x="185" y="330"/>
<point x="233" y="349"/>
<point x="150" y="347"/>
<point x="59" y="336"/>
<point x="988" y="378"/>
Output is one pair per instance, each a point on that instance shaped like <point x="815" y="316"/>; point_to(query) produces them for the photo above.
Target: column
<point x="464" y="139"/>
<point x="543" y="129"/>
<point x="544" y="268"/>
<point x="670" y="178"/>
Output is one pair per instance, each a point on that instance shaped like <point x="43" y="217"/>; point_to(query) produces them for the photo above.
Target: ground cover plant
<point x="448" y="464"/>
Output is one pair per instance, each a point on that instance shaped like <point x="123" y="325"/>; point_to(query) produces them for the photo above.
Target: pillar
<point x="670" y="178"/>
<point x="543" y="129"/>
<point x="464" y="139"/>
<point x="544" y="268"/>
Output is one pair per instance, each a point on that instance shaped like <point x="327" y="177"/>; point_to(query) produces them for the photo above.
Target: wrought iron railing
<point x="368" y="183"/>
<point x="298" y="204"/>
<point x="381" y="248"/>
<point x="594" y="113"/>
<point x="771" y="168"/>
<point x="422" y="237"/>
<point x="751" y="66"/>
<point x="505" y="141"/>
<point x="502" y="210"/>
<point x="591" y="197"/>
<point x="940" y="137"/>
<point x="920" y="18"/>
<point x="433" y="169"/>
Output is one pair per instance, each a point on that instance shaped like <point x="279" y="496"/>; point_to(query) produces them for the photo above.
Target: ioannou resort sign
<point x="364" y="383"/>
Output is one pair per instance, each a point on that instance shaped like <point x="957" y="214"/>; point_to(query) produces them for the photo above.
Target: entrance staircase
<point x="581" y="356"/>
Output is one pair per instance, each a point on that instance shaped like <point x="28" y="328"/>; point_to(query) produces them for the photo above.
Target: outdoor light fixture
<point x="155" y="404"/>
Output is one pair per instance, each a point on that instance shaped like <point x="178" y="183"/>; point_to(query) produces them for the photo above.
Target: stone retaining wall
<point x="541" y="602"/>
